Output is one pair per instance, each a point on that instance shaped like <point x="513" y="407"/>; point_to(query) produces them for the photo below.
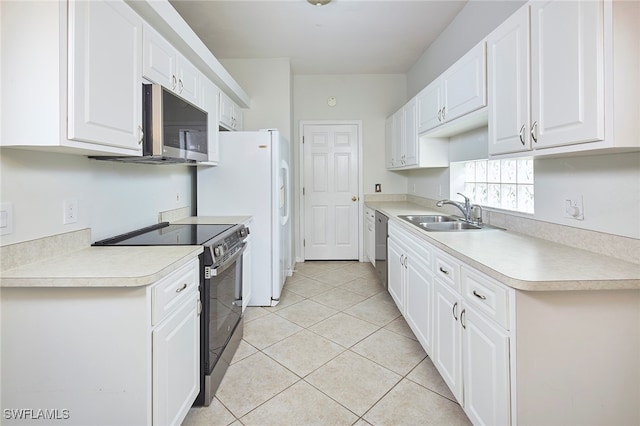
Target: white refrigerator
<point x="253" y="179"/>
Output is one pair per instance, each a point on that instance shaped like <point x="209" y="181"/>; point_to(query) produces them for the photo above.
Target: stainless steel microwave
<point x="174" y="129"/>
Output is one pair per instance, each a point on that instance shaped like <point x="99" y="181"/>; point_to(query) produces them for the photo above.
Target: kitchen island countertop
<point x="520" y="261"/>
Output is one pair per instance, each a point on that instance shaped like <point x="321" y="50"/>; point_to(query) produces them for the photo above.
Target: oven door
<point x="223" y="308"/>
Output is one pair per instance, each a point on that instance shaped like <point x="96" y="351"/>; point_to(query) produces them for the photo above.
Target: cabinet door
<point x="188" y="80"/>
<point x="105" y="75"/>
<point x="486" y="370"/>
<point x="159" y="59"/>
<point x="567" y="72"/>
<point x="395" y="265"/>
<point x="398" y="138"/>
<point x="388" y="137"/>
<point x="447" y="337"/>
<point x="226" y="111"/>
<point x="508" y="85"/>
<point x="410" y="136"/>
<point x="419" y="289"/>
<point x="464" y="84"/>
<point x="429" y="102"/>
<point x="209" y="100"/>
<point x="176" y="364"/>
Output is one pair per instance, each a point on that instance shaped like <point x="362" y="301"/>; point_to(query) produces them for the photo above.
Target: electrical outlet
<point x="178" y="198"/>
<point x="70" y="211"/>
<point x="378" y="187"/>
<point x="6" y="218"/>
<point x="573" y="207"/>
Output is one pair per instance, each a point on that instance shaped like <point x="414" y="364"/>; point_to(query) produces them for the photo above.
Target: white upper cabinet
<point x="508" y="85"/>
<point x="405" y="148"/>
<point x="230" y="114"/>
<point x="461" y="89"/>
<point x="164" y="65"/>
<point x="105" y="101"/>
<point x="430" y="104"/>
<point x="76" y="68"/>
<point x="564" y="77"/>
<point x="567" y="72"/>
<point x="464" y="84"/>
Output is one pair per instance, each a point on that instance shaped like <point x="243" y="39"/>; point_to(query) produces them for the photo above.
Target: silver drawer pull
<point x="444" y="271"/>
<point x="479" y="296"/>
<point x="181" y="288"/>
<point x="454" y="310"/>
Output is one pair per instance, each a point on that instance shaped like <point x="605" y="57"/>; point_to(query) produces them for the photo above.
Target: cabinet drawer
<point x="169" y="292"/>
<point x="447" y="270"/>
<point x="487" y="295"/>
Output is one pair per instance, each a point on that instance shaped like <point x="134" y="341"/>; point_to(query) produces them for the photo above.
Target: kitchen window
<point x="504" y="184"/>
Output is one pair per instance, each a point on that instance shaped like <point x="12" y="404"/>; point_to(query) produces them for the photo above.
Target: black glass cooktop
<point x="167" y="235"/>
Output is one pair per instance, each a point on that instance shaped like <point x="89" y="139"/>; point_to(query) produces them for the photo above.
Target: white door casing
<point x="331" y="190"/>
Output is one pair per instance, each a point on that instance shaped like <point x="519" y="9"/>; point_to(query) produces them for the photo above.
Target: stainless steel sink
<point x="448" y="226"/>
<point x="440" y="223"/>
<point x="427" y="218"/>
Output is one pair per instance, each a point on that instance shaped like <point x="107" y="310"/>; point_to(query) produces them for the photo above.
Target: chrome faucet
<point x="464" y="208"/>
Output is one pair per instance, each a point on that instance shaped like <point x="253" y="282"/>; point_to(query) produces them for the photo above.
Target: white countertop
<point x="520" y="261"/>
<point x="121" y="266"/>
<point x="102" y="267"/>
<point x="215" y="220"/>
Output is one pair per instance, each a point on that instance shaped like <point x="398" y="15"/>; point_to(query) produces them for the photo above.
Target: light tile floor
<point x="334" y="351"/>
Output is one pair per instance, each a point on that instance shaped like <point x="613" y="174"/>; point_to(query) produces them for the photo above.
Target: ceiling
<point x="343" y="37"/>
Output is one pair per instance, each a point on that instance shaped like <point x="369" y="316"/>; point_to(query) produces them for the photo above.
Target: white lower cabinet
<point x="176" y="363"/>
<point x="108" y="355"/>
<point x="370" y="235"/>
<point x="461" y="318"/>
<point x="411" y="282"/>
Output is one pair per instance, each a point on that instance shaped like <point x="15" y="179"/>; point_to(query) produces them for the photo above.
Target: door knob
<point x="354" y="198"/>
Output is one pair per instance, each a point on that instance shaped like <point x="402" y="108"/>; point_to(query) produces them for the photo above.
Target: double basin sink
<point x="440" y="223"/>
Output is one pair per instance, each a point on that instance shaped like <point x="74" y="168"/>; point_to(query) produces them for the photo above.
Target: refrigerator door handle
<point x="284" y="192"/>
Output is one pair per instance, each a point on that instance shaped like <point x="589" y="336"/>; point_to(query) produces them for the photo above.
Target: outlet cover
<point x="6" y="218"/>
<point x="573" y="207"/>
<point x="70" y="211"/>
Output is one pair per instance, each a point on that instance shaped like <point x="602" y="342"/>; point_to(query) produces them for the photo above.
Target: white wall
<point x="112" y="197"/>
<point x="475" y="21"/>
<point x="269" y="84"/>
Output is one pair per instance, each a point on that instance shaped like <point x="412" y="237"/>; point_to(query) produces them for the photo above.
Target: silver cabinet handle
<point x="522" y="134"/>
<point x="178" y="290"/>
<point x="444" y="113"/>
<point x="141" y="133"/>
<point x="479" y="296"/>
<point x="444" y="271"/>
<point x="440" y="115"/>
<point x="406" y="260"/>
<point x="534" y="128"/>
<point x="181" y="86"/>
<point x="462" y="319"/>
<point x="199" y="307"/>
<point x="174" y="82"/>
<point x="402" y="259"/>
<point x="454" y="309"/>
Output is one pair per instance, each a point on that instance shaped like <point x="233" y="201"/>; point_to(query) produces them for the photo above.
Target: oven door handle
<point x="220" y="269"/>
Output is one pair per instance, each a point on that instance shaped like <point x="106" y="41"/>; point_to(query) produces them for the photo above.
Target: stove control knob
<point x="242" y="232"/>
<point x="218" y="250"/>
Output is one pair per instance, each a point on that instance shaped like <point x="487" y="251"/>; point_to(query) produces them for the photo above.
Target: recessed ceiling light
<point x="319" y="2"/>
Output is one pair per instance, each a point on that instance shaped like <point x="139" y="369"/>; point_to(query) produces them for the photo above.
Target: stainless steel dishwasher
<point x="381" y="247"/>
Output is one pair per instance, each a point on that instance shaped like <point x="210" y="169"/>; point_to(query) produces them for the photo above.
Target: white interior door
<point x="330" y="191"/>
